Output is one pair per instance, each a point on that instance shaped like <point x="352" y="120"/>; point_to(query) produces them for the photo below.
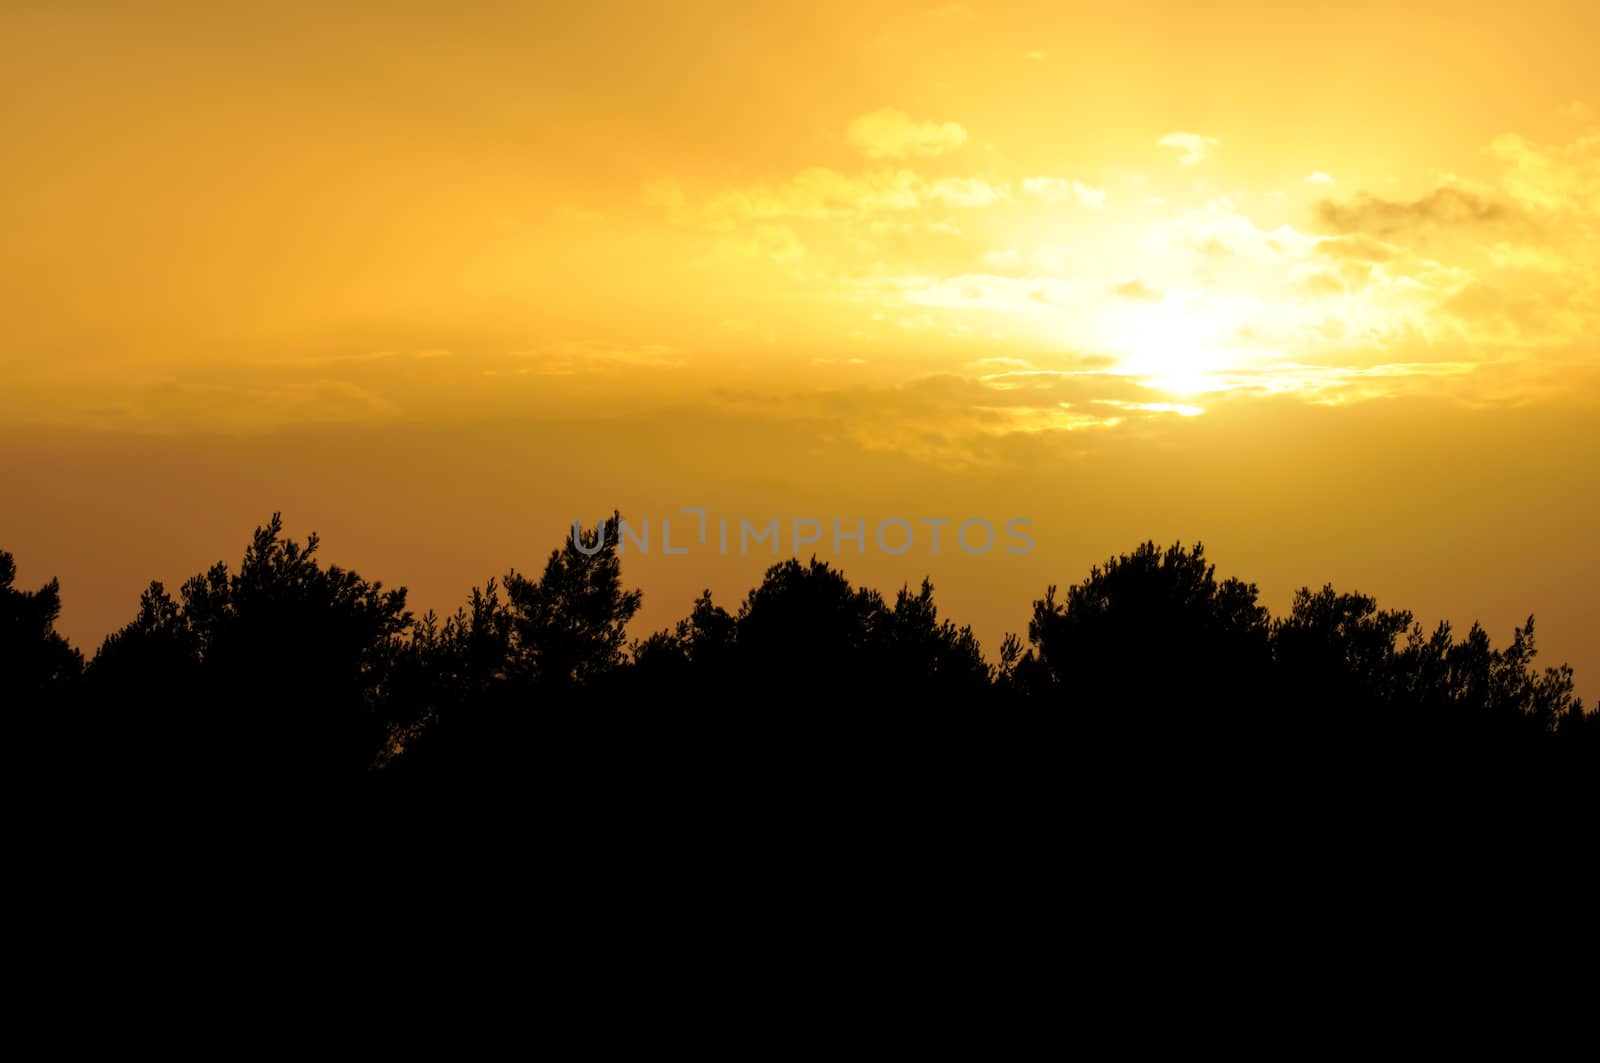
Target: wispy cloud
<point x="573" y="358"/>
<point x="1060" y="189"/>
<point x="1192" y="148"/>
<point x="893" y="134"/>
<point x="1135" y="289"/>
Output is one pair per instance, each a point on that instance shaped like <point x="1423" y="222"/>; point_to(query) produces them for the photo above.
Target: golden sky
<point x="1319" y="286"/>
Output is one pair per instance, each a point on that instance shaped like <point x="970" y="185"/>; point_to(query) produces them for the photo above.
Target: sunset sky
<point x="1317" y="285"/>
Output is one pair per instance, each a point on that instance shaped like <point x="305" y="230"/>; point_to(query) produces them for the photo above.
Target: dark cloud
<point x="1443" y="206"/>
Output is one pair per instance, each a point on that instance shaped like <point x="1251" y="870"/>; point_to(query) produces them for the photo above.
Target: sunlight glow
<point x="1170" y="346"/>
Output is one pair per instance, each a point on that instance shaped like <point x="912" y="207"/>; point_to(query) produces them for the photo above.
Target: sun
<point x="1170" y="345"/>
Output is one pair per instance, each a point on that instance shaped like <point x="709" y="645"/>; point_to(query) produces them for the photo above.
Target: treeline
<point x="286" y="670"/>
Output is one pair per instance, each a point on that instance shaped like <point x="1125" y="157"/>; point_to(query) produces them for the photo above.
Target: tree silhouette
<point x="36" y="663"/>
<point x="810" y="642"/>
<point x="286" y="671"/>
<point x="689" y="659"/>
<point x="571" y="624"/>
<point x="1337" y="667"/>
<point x="276" y="670"/>
<point x="487" y="687"/>
<point x="1150" y="643"/>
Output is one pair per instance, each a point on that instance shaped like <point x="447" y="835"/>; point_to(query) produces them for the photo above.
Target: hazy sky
<point x="1320" y="287"/>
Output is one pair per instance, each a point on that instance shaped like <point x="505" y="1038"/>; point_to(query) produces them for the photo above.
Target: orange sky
<point x="1319" y="287"/>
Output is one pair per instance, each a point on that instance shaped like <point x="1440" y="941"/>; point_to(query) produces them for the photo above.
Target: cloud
<point x="1038" y="56"/>
<point x="966" y="192"/>
<point x="912" y="226"/>
<point x="892" y="134"/>
<point x="1529" y="259"/>
<point x="955" y="421"/>
<point x="1050" y="259"/>
<point x="319" y="360"/>
<point x="594" y="356"/>
<point x="1059" y="189"/>
<point x="668" y="195"/>
<point x="1493" y="314"/>
<point x="1447" y="205"/>
<point x="1356" y="249"/>
<point x="1002" y="363"/>
<point x="987" y="291"/>
<point x="773" y="243"/>
<point x="1321" y="282"/>
<point x="816" y="193"/>
<point x="820" y="194"/>
<point x="1375" y="279"/>
<point x="1181" y="409"/>
<point x="1559" y="177"/>
<point x="1219" y="230"/>
<point x="1191" y="147"/>
<point x="260" y="401"/>
<point x="1047" y="189"/>
<point x="1135" y="289"/>
<point x="1319" y="178"/>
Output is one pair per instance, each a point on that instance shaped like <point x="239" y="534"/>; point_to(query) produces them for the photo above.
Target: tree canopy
<point x="288" y="670"/>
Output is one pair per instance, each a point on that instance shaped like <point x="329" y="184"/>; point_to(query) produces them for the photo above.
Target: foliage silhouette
<point x="36" y="664"/>
<point x="1094" y="652"/>
<point x="484" y="688"/>
<point x="277" y="670"/>
<point x="286" y="671"/>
